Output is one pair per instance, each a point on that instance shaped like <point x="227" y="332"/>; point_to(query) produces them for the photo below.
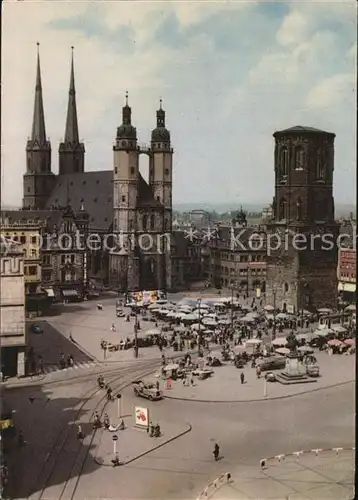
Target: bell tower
<point x="302" y="270"/>
<point x="71" y="150"/>
<point x="161" y="168"/>
<point x="38" y="180"/>
<point x="125" y="197"/>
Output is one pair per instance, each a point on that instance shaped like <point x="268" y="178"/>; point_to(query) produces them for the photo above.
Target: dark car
<point x="36" y="328"/>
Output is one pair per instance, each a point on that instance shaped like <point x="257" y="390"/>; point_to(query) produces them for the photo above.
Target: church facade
<point x="133" y="216"/>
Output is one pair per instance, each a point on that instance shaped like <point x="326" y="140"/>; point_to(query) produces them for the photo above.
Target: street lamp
<point x="233" y="286"/>
<point x="274" y="315"/>
<point x="200" y="338"/>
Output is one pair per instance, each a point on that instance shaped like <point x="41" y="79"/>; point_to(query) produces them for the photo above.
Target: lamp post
<point x="200" y="339"/>
<point x="274" y="315"/>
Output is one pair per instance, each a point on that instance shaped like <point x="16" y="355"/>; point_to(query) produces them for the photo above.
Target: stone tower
<point x="161" y="181"/>
<point x="302" y="270"/>
<point x="71" y="150"/>
<point x="38" y="180"/>
<point x="124" y="259"/>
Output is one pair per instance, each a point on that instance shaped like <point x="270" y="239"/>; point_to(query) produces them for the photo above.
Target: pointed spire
<point x="38" y="133"/>
<point x="126" y="112"/>
<point x="160" y="115"/>
<point x="71" y="132"/>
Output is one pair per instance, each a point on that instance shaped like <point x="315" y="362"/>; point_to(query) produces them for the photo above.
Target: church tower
<point x="302" y="270"/>
<point x="160" y="181"/>
<point x="124" y="262"/>
<point x="38" y="180"/>
<point x="161" y="168"/>
<point x="71" y="150"/>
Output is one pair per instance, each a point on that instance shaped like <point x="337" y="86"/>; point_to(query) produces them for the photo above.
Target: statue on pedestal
<point x="292" y="343"/>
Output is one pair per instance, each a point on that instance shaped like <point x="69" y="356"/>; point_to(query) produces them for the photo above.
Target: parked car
<point x="313" y="371"/>
<point x="35" y="328"/>
<point x="272" y="363"/>
<point x="148" y="391"/>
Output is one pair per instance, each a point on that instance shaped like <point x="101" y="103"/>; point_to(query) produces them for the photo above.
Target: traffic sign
<point x="119" y="396"/>
<point x="115" y="437"/>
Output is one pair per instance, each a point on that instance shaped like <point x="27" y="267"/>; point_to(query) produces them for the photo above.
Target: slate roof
<point x="145" y="195"/>
<point x="302" y="129"/>
<point x="93" y="189"/>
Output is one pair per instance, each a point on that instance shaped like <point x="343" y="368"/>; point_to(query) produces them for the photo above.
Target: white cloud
<point x="217" y="105"/>
<point x="331" y="91"/>
<point x="293" y="29"/>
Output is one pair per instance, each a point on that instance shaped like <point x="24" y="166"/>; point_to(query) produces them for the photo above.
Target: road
<point x="55" y="466"/>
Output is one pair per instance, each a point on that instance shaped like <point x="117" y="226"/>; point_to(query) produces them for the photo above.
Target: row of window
<point x="133" y="170"/>
<point x="299" y="162"/>
<point x="239" y="258"/>
<point x="23" y="239"/>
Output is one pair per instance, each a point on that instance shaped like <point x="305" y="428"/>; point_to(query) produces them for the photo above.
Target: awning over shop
<point x="50" y="292"/>
<point x="70" y="293"/>
<point x="346" y="287"/>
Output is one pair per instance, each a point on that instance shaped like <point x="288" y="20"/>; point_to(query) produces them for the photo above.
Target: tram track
<point x="66" y="436"/>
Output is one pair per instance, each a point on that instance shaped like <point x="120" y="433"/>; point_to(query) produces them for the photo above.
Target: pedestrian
<point x="79" y="432"/>
<point x="2" y="376"/>
<point x="216" y="452"/>
<point x="157" y="385"/>
<point x="258" y="372"/>
<point x="242" y="377"/>
<point x="41" y="365"/>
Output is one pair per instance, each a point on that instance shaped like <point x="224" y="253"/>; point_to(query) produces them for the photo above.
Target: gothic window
<point x="284" y="161"/>
<point x="299" y="209"/>
<point x="167" y="171"/>
<point x="282" y="209"/>
<point x="28" y="165"/>
<point x="145" y="222"/>
<point x="132" y="170"/>
<point x="320" y="167"/>
<point x="43" y="165"/>
<point x="299" y="158"/>
<point x="152" y="222"/>
<point x="115" y="170"/>
<point x="77" y="165"/>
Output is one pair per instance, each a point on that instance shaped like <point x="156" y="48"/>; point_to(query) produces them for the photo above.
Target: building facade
<point x="12" y="309"/>
<point x="347" y="269"/>
<point x="142" y="211"/>
<point x="302" y="270"/>
<point x="237" y="258"/>
<point x="54" y="241"/>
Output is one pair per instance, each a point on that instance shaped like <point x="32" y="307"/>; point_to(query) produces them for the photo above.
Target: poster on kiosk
<point x="141" y="417"/>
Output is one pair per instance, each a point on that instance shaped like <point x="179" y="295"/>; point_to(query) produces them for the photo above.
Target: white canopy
<point x="282" y="350"/>
<point x="190" y="317"/>
<point x="269" y="308"/>
<point x="323" y="332"/>
<point x="209" y="321"/>
<point x="351" y="307"/>
<point x="246" y="319"/>
<point x="280" y="341"/>
<point x="304" y="349"/>
<point x="324" y="310"/>
<point x="282" y="316"/>
<point x="153" y="331"/>
<point x="224" y="321"/>
<point x="338" y="328"/>
<point x="253" y="341"/>
<point x="195" y="326"/>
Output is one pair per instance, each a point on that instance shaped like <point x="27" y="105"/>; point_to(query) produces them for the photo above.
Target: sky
<point x="230" y="74"/>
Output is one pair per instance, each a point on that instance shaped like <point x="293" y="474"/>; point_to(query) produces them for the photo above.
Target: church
<point x="145" y="253"/>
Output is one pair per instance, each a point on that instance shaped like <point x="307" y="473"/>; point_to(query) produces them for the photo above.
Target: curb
<point x="297" y="454"/>
<point x="150" y="450"/>
<point x="287" y="396"/>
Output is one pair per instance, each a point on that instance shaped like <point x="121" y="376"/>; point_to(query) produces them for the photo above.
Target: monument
<point x="295" y="370"/>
